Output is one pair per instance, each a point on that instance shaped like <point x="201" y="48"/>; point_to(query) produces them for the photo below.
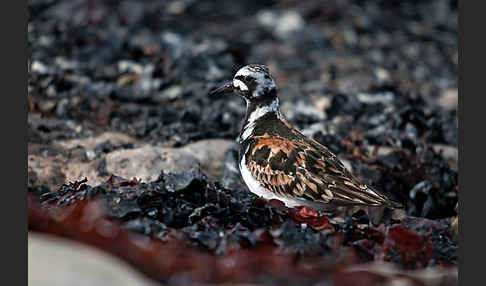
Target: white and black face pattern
<point x="253" y="81"/>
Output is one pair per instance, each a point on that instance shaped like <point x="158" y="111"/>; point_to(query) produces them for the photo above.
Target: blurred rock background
<point x="109" y="76"/>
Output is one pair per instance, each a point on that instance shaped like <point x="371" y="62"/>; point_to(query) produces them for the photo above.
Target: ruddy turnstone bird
<point x="278" y="162"/>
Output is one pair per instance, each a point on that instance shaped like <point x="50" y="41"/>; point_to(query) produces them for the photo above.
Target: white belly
<point x="256" y="188"/>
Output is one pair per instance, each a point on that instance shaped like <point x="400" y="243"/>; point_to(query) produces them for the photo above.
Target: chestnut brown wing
<point x="307" y="170"/>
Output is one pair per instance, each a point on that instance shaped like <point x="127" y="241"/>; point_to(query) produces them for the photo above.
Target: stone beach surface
<point x="117" y="94"/>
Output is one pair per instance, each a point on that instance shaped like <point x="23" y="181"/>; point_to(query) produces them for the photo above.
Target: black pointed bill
<point x="224" y="89"/>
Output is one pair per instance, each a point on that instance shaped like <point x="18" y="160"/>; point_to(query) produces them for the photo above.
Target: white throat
<point x="255" y="115"/>
<point x="262" y="110"/>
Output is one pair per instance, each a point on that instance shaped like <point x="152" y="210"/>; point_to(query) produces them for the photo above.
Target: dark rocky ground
<point x="120" y="88"/>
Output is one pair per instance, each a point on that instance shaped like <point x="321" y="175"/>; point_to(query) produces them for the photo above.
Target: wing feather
<point x="305" y="169"/>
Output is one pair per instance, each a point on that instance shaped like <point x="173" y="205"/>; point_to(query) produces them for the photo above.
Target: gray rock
<point x="384" y="98"/>
<point x="47" y="106"/>
<point x="40" y="68"/>
<point x="450" y="153"/>
<point x="283" y="25"/>
<point x="210" y="154"/>
<point x="53" y="171"/>
<point x="449" y="99"/>
<point x="90" y="143"/>
<point x="147" y="162"/>
<point x="75" y="160"/>
<point x="174" y="44"/>
<point x="130" y="67"/>
<point x="170" y="93"/>
<point x="231" y="178"/>
<point x="66" y="64"/>
<point x="301" y="108"/>
<point x="45" y="170"/>
<point x="55" y="261"/>
<point x="78" y="159"/>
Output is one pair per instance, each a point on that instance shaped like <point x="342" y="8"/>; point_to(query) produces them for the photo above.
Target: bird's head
<point x="252" y="82"/>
